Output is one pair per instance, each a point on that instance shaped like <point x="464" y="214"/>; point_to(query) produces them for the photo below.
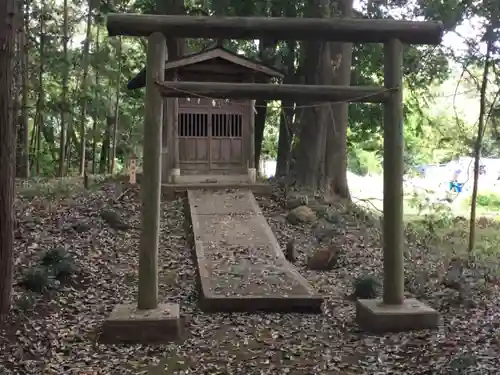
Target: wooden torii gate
<point x="393" y="312"/>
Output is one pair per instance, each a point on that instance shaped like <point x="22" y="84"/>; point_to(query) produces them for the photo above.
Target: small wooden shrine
<point x="210" y="138"/>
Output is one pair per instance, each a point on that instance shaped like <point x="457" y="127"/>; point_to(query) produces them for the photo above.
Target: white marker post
<point x="132" y="171"/>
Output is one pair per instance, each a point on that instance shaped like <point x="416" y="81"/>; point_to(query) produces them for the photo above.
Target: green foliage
<point x="54" y="256"/>
<point x="489" y="201"/>
<point x="63" y="269"/>
<point x="363" y="162"/>
<point x="59" y="262"/>
<point x="56" y="188"/>
<point x="26" y="302"/>
<point x="38" y="279"/>
<point x="59" y="189"/>
<point x="437" y="214"/>
<point x="55" y="266"/>
<point x="366" y="287"/>
<point x="105" y="82"/>
<point x="271" y="133"/>
<point x="435" y="225"/>
<point x="430" y="135"/>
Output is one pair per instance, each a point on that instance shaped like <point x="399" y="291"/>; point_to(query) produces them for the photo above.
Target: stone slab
<point x="225" y="243"/>
<point x="221" y="203"/>
<point x="373" y="316"/>
<point x="128" y="325"/>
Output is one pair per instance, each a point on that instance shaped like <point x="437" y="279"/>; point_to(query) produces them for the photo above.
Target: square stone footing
<point x="129" y="325"/>
<point x="373" y="316"/>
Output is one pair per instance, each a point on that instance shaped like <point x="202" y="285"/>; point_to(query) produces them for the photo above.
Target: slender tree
<point x="117" y="105"/>
<point x="489" y="36"/>
<point x="85" y="84"/>
<point x="65" y="89"/>
<point x="22" y="163"/>
<point x="7" y="153"/>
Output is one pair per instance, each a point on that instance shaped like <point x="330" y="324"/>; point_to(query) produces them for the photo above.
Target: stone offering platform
<point x="173" y="191"/>
<point x="241" y="267"/>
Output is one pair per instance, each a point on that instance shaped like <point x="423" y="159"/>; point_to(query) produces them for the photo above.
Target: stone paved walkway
<point x="240" y="263"/>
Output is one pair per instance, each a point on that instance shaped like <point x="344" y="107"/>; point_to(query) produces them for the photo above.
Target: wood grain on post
<point x="251" y="131"/>
<point x="277" y="28"/>
<point x="268" y="91"/>
<point x="151" y="180"/>
<point x="393" y="228"/>
<point x="175" y="124"/>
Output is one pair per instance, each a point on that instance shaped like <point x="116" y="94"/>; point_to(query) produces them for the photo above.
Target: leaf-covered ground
<point x="57" y="333"/>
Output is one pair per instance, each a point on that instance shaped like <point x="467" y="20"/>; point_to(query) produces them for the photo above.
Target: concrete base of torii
<point x="374" y="316"/>
<point x="129" y="325"/>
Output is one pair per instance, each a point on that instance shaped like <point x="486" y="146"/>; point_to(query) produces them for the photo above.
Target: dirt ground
<point x="57" y="332"/>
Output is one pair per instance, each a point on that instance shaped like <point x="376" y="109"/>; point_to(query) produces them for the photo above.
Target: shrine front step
<point x="174" y="191"/>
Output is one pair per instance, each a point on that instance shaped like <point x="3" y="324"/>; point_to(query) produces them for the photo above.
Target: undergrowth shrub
<point x="436" y="226"/>
<point x="26" y="302"/>
<point x="49" y="188"/>
<point x="38" y="279"/>
<point x="363" y="162"/>
<point x="54" y="256"/>
<point x="60" y="187"/>
<point x="430" y="219"/>
<point x="366" y="287"/>
<point x="489" y="201"/>
<point x="55" y="267"/>
<point x="64" y="269"/>
<point x="59" y="262"/>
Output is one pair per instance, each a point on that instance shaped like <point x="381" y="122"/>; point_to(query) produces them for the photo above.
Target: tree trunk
<point x="16" y="90"/>
<point x="64" y="99"/>
<point x="22" y="157"/>
<point x="104" y="160"/>
<point x="38" y="148"/>
<point x="95" y="116"/>
<point x="479" y="139"/>
<point x="176" y="47"/>
<point x="286" y="130"/>
<point x="336" y="140"/>
<point x="314" y="119"/>
<point x="117" y="105"/>
<point x="40" y="103"/>
<point x="84" y="88"/>
<point x="267" y="56"/>
<point x="286" y="118"/>
<point x="7" y="154"/>
<point x="260" y="123"/>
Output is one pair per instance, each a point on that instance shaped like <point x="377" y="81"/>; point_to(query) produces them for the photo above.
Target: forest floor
<point x="57" y="332"/>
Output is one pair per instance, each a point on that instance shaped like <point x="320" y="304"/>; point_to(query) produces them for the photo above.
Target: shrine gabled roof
<point x="210" y="54"/>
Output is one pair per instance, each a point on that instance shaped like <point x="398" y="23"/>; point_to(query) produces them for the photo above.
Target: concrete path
<point x="241" y="266"/>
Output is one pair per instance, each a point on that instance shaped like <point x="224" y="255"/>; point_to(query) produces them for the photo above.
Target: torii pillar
<point x="393" y="312"/>
<point x="148" y="321"/>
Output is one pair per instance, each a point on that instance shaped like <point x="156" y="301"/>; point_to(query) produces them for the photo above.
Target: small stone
<point x="484" y="222"/>
<point x="296" y="201"/>
<point x="320" y="210"/>
<point x="81" y="227"/>
<point x="114" y="220"/>
<point x="324" y="259"/>
<point x="325" y="232"/>
<point x="301" y="214"/>
<point x="290" y="251"/>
